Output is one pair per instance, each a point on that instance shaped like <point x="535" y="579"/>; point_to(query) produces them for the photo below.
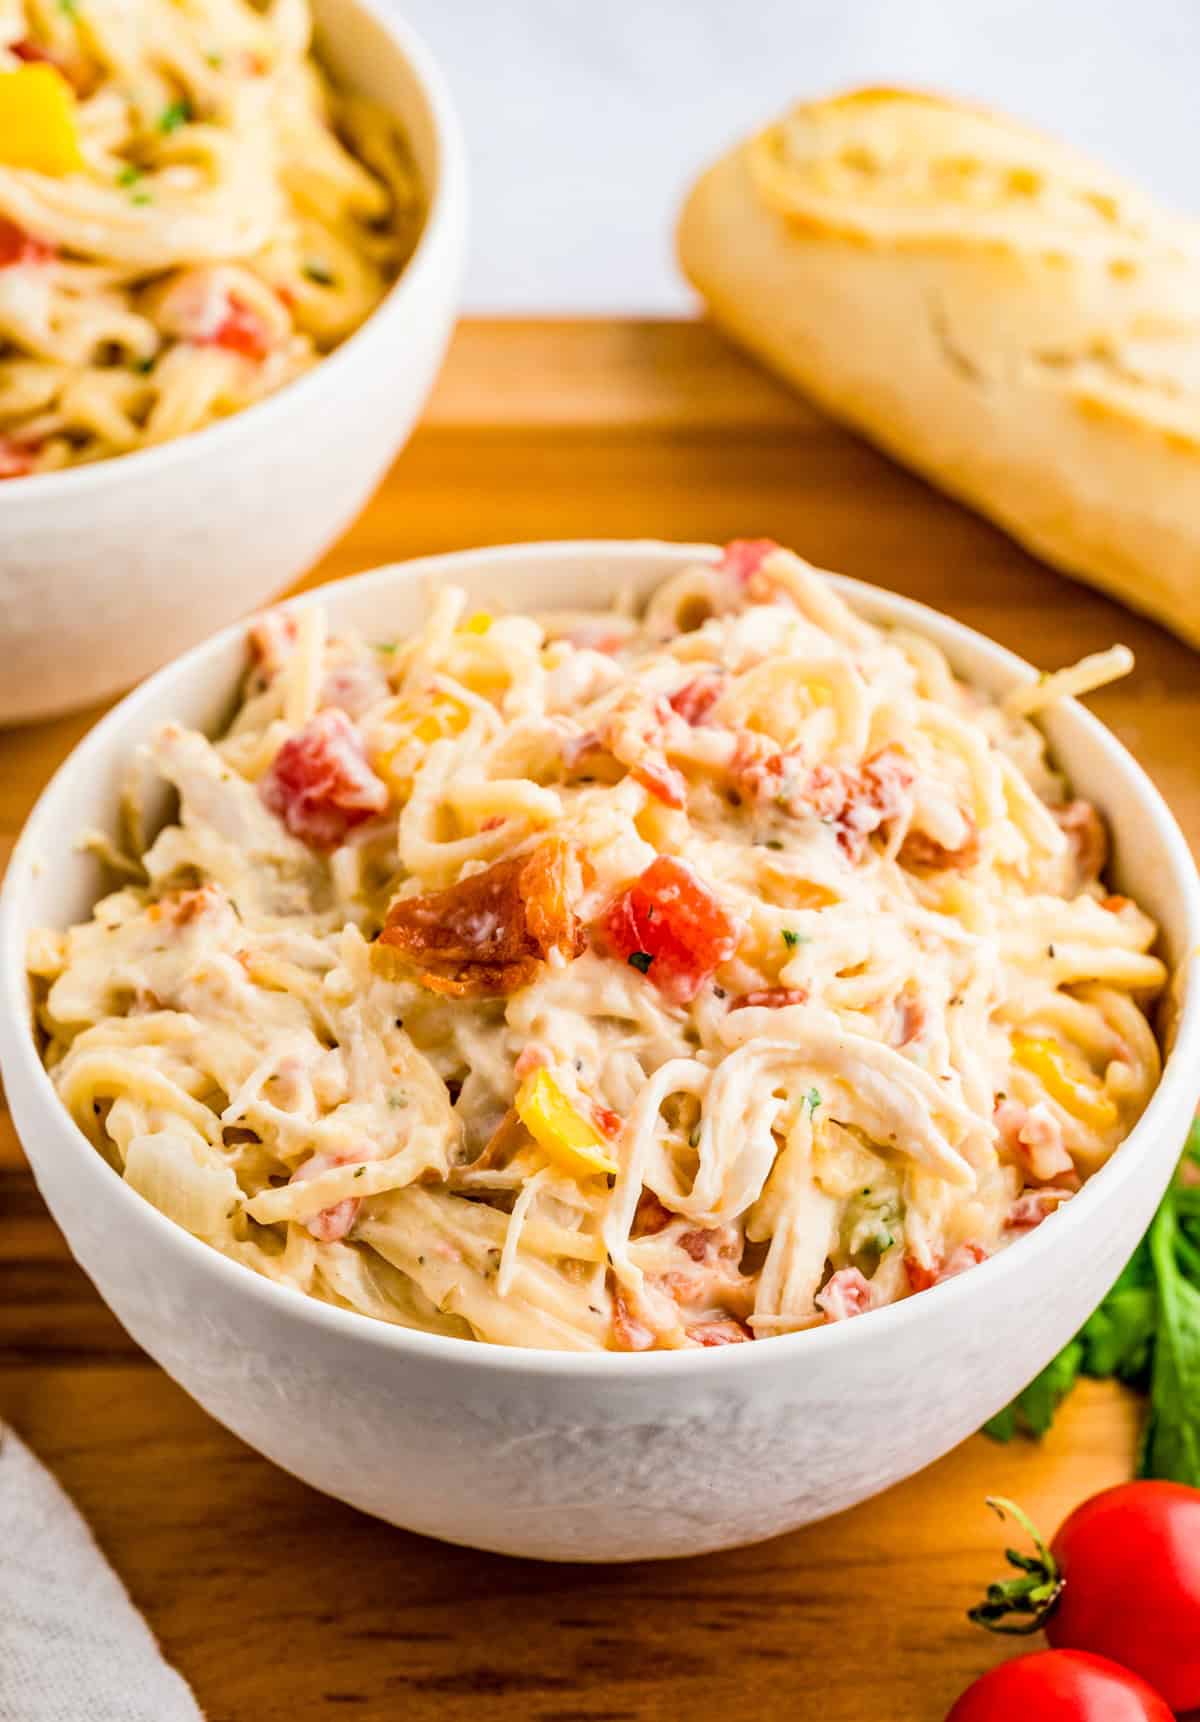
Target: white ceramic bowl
<point x="109" y="570"/>
<point x="593" y="1457"/>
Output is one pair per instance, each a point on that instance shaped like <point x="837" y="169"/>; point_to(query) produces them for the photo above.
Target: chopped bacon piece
<point x="1114" y="904"/>
<point x="964" y="1257"/>
<point x="711" y="1244"/>
<point x="924" y="854"/>
<point x="331" y="1225"/>
<point x="355" y="688"/>
<point x="628" y="1333"/>
<point x="16" y="459"/>
<point x="1034" y="1206"/>
<point x="184" y="907"/>
<point x="532" y="1057"/>
<point x="17" y="246"/>
<point x="719" y="1333"/>
<point x="845" y="1293"/>
<point x="922" y="1275"/>
<point x="910" y="1019"/>
<point x="695" y="699"/>
<point x="320" y="784"/>
<point x="1035" y="1136"/>
<point x="272" y="640"/>
<point x="1087" y="835"/>
<point x="772" y="998"/>
<point x="661" y="780"/>
<point x="854" y="803"/>
<point x="743" y="557"/>
<point x="486" y="936"/>
<point x="671" y="927"/>
<point x="651" y="1215"/>
<point x="608" y="1122"/>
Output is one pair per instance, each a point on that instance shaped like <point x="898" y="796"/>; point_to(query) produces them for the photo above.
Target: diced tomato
<point x="853" y="803"/>
<point x="743" y="557"/>
<point x="695" y="699"/>
<point x="671" y="927"/>
<point x="243" y="331"/>
<point x="719" y="1333"/>
<point x="920" y="1275"/>
<point x="662" y="780"/>
<point x="17" y="246"/>
<point x="608" y="1122"/>
<point x="1114" y="904"/>
<point x="200" y="306"/>
<point x="771" y="998"/>
<point x="320" y="784"/>
<point x="846" y="1293"/>
<point x="17" y="459"/>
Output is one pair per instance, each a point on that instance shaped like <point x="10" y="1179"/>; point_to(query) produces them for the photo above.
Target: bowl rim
<point x="987" y="1278"/>
<point x="447" y="201"/>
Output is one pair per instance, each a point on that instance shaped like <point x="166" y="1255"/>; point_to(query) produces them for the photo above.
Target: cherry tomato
<point x="1060" y="1686"/>
<point x="1130" y="1564"/>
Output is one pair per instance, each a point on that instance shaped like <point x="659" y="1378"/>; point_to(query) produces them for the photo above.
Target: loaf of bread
<point x="1016" y="323"/>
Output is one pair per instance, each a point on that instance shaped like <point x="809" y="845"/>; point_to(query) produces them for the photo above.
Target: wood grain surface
<point x="282" y="1606"/>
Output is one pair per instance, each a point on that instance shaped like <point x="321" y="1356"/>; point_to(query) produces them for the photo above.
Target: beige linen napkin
<point x="72" y="1646"/>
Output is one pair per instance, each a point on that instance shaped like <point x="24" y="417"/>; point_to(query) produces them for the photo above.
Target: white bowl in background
<point x="597" y="1456"/>
<point x="109" y="570"/>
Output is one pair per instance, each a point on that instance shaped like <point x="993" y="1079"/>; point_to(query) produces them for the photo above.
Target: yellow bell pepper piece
<point x="38" y="123"/>
<point x="562" y="1133"/>
<point x="1079" y="1094"/>
<point x="438" y="716"/>
<point x="479" y="623"/>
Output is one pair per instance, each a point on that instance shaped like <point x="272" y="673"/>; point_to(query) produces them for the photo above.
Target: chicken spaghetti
<point x="613" y="980"/>
<point x="190" y="216"/>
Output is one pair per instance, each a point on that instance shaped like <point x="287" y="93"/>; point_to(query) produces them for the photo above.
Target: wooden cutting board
<point x="281" y="1606"/>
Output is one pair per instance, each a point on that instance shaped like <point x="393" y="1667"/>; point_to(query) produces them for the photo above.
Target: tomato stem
<point x="1020" y="1606"/>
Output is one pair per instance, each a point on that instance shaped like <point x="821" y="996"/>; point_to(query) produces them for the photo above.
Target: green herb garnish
<point x="69" y="8"/>
<point x="321" y="273"/>
<point x="174" y="115"/>
<point x="144" y="366"/>
<point x="792" y="939"/>
<point x="129" y="175"/>
<point x="1146" y="1333"/>
<point x="141" y="197"/>
<point x="812" y="1100"/>
<point x="360" y="1171"/>
<point x="640" y="960"/>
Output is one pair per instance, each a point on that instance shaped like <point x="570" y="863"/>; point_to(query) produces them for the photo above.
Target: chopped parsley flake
<point x="774" y="843"/>
<point x="69" y="8"/>
<point x="141" y="197"/>
<point x="129" y="175"/>
<point x="812" y="1100"/>
<point x="385" y="645"/>
<point x="144" y="366"/>
<point x="319" y="272"/>
<point x="174" y="115"/>
<point x="360" y="1171"/>
<point x="640" y="960"/>
<point x="791" y="939"/>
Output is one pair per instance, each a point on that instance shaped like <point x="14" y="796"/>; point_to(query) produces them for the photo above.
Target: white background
<point x="585" y="121"/>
